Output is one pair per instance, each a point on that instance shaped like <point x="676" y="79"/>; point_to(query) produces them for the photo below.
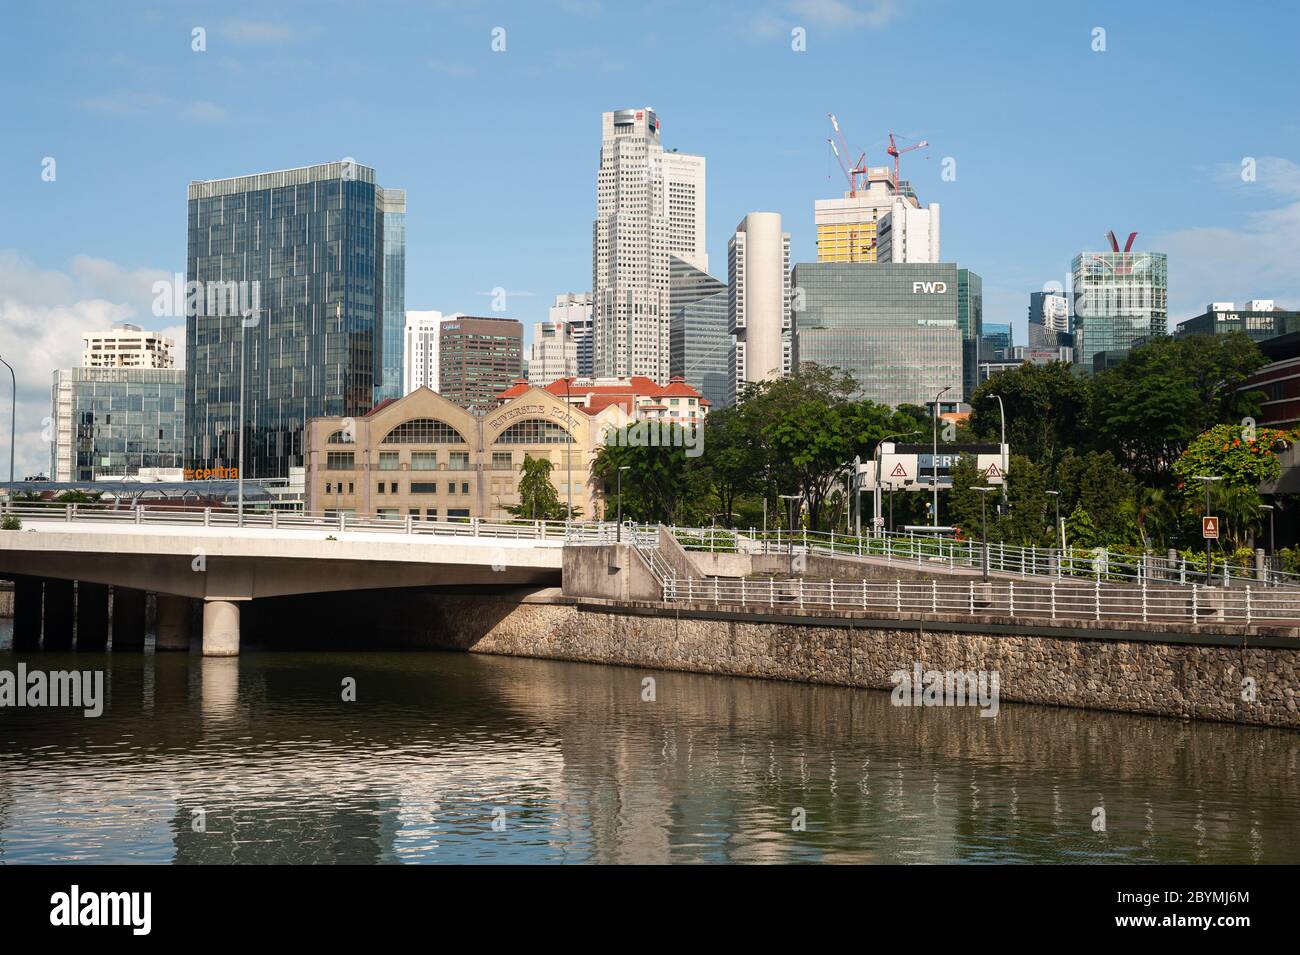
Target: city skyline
<point x="1028" y="193"/>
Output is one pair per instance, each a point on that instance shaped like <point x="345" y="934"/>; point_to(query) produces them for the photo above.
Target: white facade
<point x="649" y="205"/>
<point x="420" y="351"/>
<point x="908" y="234"/>
<point x="127" y="346"/>
<point x="1056" y="313"/>
<point x="576" y="310"/>
<point x="554" y="353"/>
<point x="758" y="300"/>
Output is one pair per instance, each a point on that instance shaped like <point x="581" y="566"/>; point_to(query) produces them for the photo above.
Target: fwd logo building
<point x="904" y="331"/>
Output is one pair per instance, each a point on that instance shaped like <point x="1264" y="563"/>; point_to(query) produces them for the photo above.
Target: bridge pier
<point x="27" y="612"/>
<point x="92" y="616"/>
<point x="128" y="618"/>
<point x="172" y="631"/>
<point x="220" y="628"/>
<point x="59" y="614"/>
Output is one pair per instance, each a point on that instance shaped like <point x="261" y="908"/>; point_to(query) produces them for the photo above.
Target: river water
<point x="446" y="757"/>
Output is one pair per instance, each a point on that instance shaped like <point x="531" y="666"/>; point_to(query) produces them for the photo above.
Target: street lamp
<point x="568" y="432"/>
<point x="1269" y="508"/>
<point x="791" y="498"/>
<point x="619" y="532"/>
<point x="984" y="529"/>
<point x="876" y="510"/>
<point x="1002" y="448"/>
<point x="1056" y="496"/>
<point x="934" y="460"/>
<point x="13" y="416"/>
<point x="1208" y="479"/>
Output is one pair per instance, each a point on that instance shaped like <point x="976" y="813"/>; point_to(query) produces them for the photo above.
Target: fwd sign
<point x="929" y="287"/>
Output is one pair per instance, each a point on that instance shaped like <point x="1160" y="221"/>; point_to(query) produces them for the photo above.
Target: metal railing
<point x="1057" y="599"/>
<point x="1094" y="563"/>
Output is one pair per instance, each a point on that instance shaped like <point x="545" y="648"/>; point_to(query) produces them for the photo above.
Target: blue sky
<point x="1054" y="142"/>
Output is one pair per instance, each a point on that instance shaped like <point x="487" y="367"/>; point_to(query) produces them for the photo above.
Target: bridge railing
<point x="1087" y="563"/>
<point x="1194" y="604"/>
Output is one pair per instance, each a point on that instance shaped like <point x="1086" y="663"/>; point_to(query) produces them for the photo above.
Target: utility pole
<point x="13" y="418"/>
<point x="1002" y="448"/>
<point x="1208" y="479"/>
<point x="618" y="534"/>
<point x="984" y="530"/>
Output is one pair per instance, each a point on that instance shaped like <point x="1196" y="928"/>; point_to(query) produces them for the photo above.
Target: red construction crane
<point x="894" y="151"/>
<point x="851" y="173"/>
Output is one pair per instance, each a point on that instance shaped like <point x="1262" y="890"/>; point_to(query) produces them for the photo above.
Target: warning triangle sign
<point x="899" y="470"/>
<point x="993" y="471"/>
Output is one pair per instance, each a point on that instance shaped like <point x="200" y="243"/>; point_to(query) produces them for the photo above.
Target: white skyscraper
<point x="649" y="206"/>
<point x="575" y="310"/>
<point x="758" y="291"/>
<point x="126" y="346"/>
<point x="883" y="222"/>
<point x="420" y="351"/>
<point x="554" y="353"/>
<point x="908" y="234"/>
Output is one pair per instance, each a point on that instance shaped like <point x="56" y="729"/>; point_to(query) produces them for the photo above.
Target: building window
<point x="413" y="511"/>
<point x="341" y="437"/>
<point x="350" y="486"/>
<point x="430" y="513"/>
<point x="339" y="461"/>
<point x="464" y="487"/>
<point x="388" y="512"/>
<point x="534" y="431"/>
<point x="381" y="487"/>
<point x="424" y="460"/>
<point x="458" y="461"/>
<point x="424" y="487"/>
<point x="458" y="513"/>
<point x="392" y="487"/>
<point x="388" y="461"/>
<point x="423" y="431"/>
<point x="327" y="487"/>
<point x="502" y="461"/>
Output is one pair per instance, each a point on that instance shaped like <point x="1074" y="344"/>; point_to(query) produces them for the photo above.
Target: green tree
<point x="1105" y="493"/>
<point x="1025" y="524"/>
<point x="538" y="499"/>
<point x="1046" y="407"/>
<point x="1150" y="406"/>
<point x="661" y="484"/>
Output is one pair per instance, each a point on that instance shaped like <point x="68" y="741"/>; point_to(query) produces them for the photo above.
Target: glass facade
<point x="970" y="319"/>
<point x="388" y="377"/>
<point x="699" y="340"/>
<point x="115" y="421"/>
<point x="892" y="327"/>
<point x="306" y="246"/>
<point x="1120" y="299"/>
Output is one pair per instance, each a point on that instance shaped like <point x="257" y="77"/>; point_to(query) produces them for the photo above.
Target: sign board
<point x="906" y="468"/>
<point x="1210" y="528"/>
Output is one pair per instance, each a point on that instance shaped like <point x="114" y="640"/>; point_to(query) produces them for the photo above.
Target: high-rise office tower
<point x="996" y="342"/>
<point x="1050" y="311"/>
<point x="420" y="339"/>
<point x="553" y="355"/>
<point x="970" y="319"/>
<point x="127" y="346"/>
<point x="478" y="358"/>
<point x="575" y="310"/>
<point x="388" y="377"/>
<point x="892" y="328"/>
<point x="758" y="291"/>
<point x="699" y="333"/>
<point x="882" y="222"/>
<point x="115" y="421"/>
<point x="1120" y="299"/>
<point x="649" y="206"/>
<point x="305" y="247"/>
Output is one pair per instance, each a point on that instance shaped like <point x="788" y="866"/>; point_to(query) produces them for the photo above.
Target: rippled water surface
<point x="572" y="765"/>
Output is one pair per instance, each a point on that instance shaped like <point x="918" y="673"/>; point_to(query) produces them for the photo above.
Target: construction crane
<point x="894" y="151"/>
<point x="858" y="168"/>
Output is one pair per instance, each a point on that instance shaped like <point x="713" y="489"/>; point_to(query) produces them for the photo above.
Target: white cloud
<point x="43" y="313"/>
<point x="135" y="104"/>
<point x="256" y="31"/>
<point x="779" y="18"/>
<point x="1259" y="258"/>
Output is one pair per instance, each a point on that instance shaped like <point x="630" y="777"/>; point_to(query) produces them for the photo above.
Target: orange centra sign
<point x="211" y="474"/>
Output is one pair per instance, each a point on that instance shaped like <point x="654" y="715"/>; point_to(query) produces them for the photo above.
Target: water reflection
<point x="259" y="759"/>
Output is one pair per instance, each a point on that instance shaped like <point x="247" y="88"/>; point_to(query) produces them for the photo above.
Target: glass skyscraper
<point x="1120" y="300"/>
<point x="970" y="319"/>
<point x="699" y="340"/>
<point x="115" y="421"/>
<point x="306" y="247"/>
<point x="893" y="327"/>
<point x="388" y="378"/>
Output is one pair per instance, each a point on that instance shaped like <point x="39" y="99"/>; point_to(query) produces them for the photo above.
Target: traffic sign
<point x="993" y="471"/>
<point x="1210" y="528"/>
<point x="899" y="471"/>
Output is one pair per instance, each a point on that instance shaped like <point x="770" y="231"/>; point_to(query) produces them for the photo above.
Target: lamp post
<point x="984" y="530"/>
<point x="791" y="498"/>
<point x="934" y="459"/>
<point x="1056" y="527"/>
<point x="1002" y="448"/>
<point x="1269" y="508"/>
<point x="243" y="333"/>
<point x="1208" y="479"/>
<point x="568" y="457"/>
<point x="13" y="416"/>
<point x="877" y="509"/>
<point x="618" y="533"/>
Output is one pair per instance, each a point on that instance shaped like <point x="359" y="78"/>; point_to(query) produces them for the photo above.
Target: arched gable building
<point x="423" y="456"/>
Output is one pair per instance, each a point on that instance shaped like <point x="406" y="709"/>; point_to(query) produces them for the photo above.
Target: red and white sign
<point x="993" y="471"/>
<point x="1210" y="528"/>
<point x="899" y="471"/>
